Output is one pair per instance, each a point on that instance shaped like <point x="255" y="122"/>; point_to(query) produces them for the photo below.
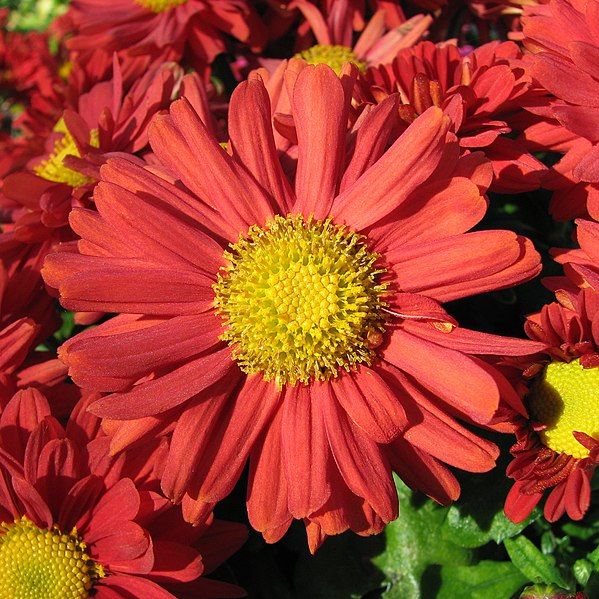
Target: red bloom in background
<point x="563" y="38"/>
<point x="558" y="445"/>
<point x="32" y="94"/>
<point x="582" y="265"/>
<point x="299" y="327"/>
<point x="482" y="92"/>
<point x="104" y="120"/>
<point x="166" y="29"/>
<point x="28" y="316"/>
<point x="333" y="31"/>
<point x="59" y="488"/>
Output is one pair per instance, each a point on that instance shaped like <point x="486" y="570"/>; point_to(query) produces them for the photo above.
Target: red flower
<point x="563" y="38"/>
<point x="581" y="266"/>
<point x="299" y="327"/>
<point x="73" y="523"/>
<point x="482" y="92"/>
<point x="333" y="30"/>
<point x="166" y="29"/>
<point x="28" y="316"/>
<point x="558" y="446"/>
<point x="105" y="120"/>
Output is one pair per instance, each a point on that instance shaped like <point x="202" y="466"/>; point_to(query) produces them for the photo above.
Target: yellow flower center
<point x="44" y="564"/>
<point x="160" y="5"/>
<point x="334" y="56"/>
<point x="52" y="169"/>
<point x="300" y="299"/>
<point x="564" y="398"/>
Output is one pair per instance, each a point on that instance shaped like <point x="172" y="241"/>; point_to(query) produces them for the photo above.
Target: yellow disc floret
<point x="160" y="5"/>
<point x="300" y="300"/>
<point x="333" y="56"/>
<point x="566" y="399"/>
<point x="37" y="563"/>
<point x="52" y="169"/>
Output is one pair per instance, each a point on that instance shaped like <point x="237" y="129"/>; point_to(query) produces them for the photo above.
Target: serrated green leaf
<point x="478" y="527"/>
<point x="532" y="563"/>
<point x="413" y="544"/>
<point x="485" y="580"/>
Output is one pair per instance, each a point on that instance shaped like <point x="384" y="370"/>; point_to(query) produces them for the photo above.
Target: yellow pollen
<point x="160" y="5"/>
<point x="334" y="56"/>
<point x="52" y="169"/>
<point x="564" y="398"/>
<point x="300" y="300"/>
<point x="36" y="563"/>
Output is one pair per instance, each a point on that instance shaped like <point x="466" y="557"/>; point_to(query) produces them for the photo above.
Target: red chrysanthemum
<point x="563" y="40"/>
<point x="28" y="316"/>
<point x="300" y="325"/>
<point x="74" y="524"/>
<point x="29" y="78"/>
<point x="558" y="445"/>
<point x="104" y="120"/>
<point x="482" y="92"/>
<point x="166" y="29"/>
<point x="581" y="265"/>
<point x="333" y="31"/>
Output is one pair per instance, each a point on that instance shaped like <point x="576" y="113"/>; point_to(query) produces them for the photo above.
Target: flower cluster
<point x="233" y="237"/>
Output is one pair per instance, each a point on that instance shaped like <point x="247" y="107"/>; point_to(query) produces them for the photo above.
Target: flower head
<point x="300" y="325"/>
<point x="558" y="446"/>
<point x="165" y="29"/>
<point x="76" y="523"/>
<point x="482" y="92"/>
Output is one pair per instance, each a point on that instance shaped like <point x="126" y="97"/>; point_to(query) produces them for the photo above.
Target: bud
<point x="549" y="591"/>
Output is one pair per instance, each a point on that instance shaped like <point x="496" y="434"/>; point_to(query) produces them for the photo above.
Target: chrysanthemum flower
<point x="172" y="29"/>
<point x="28" y="316"/>
<point x="73" y="524"/>
<point x="558" y="446"/>
<point x="104" y="120"/>
<point x="32" y="94"/>
<point x="482" y="93"/>
<point x="581" y="265"/>
<point x="299" y="326"/>
<point x="333" y="30"/>
<point x="562" y="38"/>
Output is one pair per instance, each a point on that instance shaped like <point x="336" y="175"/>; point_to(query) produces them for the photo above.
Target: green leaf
<point x="478" y="516"/>
<point x="415" y="544"/>
<point x="483" y="581"/>
<point x="474" y="523"/>
<point x="532" y="563"/>
<point x="582" y="571"/>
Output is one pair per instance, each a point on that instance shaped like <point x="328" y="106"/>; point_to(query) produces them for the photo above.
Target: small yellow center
<point x="36" y="563"/>
<point x="565" y="398"/>
<point x="52" y="169"/>
<point x="160" y="5"/>
<point x="300" y="299"/>
<point x="333" y="56"/>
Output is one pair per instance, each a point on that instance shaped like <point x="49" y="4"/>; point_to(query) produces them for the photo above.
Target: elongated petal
<point x="320" y="115"/>
<point x="306" y="452"/>
<point x="384" y="186"/>
<point x="167" y="391"/>
<point x="267" y="498"/>
<point x="233" y="437"/>
<point x="452" y="375"/>
<point x="189" y="440"/>
<point x="371" y="404"/>
<point x="252" y="141"/>
<point x="359" y="459"/>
